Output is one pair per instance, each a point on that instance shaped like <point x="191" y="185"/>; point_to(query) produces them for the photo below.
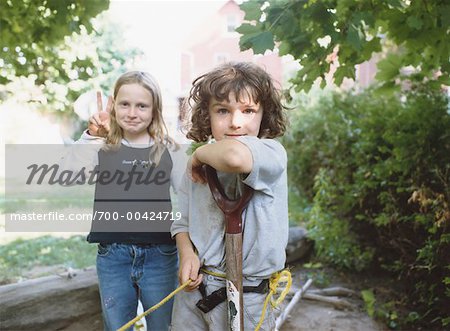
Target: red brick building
<point x="215" y="41"/>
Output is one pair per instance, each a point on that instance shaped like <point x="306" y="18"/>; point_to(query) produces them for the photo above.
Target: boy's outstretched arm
<point x="227" y="155"/>
<point x="189" y="262"/>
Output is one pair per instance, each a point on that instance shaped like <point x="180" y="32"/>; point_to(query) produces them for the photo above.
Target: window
<point x="232" y="23"/>
<point x="220" y="58"/>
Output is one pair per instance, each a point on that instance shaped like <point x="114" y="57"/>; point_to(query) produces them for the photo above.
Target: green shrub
<point x="375" y="172"/>
<point x="334" y="240"/>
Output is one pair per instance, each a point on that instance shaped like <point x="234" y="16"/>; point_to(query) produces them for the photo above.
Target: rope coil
<point x="283" y="276"/>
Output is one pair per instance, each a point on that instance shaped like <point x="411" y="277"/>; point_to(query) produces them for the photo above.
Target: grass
<point x="21" y="255"/>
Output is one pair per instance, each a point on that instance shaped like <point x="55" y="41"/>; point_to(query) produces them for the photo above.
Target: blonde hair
<point x="239" y="78"/>
<point x="157" y="128"/>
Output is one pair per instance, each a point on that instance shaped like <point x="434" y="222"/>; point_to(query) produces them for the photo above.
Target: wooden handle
<point x="235" y="301"/>
<point x="232" y="210"/>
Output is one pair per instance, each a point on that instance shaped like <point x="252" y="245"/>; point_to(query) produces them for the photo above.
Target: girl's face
<point x="235" y="118"/>
<point x="134" y="113"/>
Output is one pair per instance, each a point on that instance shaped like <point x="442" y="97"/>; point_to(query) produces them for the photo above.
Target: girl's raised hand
<point x="99" y="122"/>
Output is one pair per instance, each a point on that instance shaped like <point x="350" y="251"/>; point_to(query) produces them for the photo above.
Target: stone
<point x="299" y="245"/>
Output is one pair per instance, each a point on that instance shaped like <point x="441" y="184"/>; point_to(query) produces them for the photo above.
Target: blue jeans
<point x="129" y="272"/>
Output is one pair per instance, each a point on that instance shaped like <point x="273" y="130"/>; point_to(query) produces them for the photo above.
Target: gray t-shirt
<point x="265" y="219"/>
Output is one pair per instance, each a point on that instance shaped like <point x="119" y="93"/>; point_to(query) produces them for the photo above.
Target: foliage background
<point x="61" y="50"/>
<point x="413" y="37"/>
<point x="374" y="177"/>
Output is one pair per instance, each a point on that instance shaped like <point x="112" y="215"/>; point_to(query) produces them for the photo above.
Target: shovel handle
<point x="235" y="298"/>
<point x="232" y="210"/>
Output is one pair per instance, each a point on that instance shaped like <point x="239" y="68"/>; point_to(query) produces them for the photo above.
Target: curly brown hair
<point x="238" y="78"/>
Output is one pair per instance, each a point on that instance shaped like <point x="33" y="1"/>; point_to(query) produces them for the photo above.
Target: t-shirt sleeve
<point x="83" y="153"/>
<point x="179" y="159"/>
<point x="181" y="224"/>
<point x="269" y="163"/>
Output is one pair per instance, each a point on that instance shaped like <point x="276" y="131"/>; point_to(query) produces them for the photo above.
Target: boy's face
<point x="235" y="118"/>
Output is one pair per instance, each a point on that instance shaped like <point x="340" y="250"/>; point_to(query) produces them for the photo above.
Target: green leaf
<point x="414" y="22"/>
<point x="389" y="67"/>
<point x="444" y="80"/>
<point x="355" y="37"/>
<point x="395" y="3"/>
<point x="193" y="146"/>
<point x="370" y="47"/>
<point x="343" y="72"/>
<point x="446" y="321"/>
<point x="259" y="42"/>
<point x="369" y="300"/>
<point x="284" y="48"/>
<point x="247" y="28"/>
<point x="445" y="15"/>
<point x="386" y="89"/>
<point x="252" y="10"/>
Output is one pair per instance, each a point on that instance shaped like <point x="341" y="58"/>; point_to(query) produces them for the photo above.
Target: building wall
<point x="212" y="44"/>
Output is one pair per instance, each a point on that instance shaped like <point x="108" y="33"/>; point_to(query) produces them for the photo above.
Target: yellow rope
<point x="212" y="273"/>
<point x="151" y="309"/>
<point x="283" y="276"/>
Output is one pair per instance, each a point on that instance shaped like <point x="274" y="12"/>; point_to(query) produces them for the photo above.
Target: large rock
<point x="299" y="245"/>
<point x="66" y="302"/>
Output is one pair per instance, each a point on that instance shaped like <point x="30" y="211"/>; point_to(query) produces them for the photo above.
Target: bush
<point x="375" y="171"/>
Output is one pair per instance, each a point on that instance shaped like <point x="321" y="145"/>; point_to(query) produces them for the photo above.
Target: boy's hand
<point x="99" y="122"/>
<point x="195" y="170"/>
<point x="189" y="267"/>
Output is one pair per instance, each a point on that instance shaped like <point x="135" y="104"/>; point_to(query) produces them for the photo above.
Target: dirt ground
<point x="315" y="316"/>
<point x="309" y="315"/>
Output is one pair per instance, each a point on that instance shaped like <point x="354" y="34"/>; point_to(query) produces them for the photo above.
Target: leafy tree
<point x="32" y="32"/>
<point x="63" y="52"/>
<point x="347" y="32"/>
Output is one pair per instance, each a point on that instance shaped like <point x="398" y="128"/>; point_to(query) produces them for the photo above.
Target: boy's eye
<point x="222" y="111"/>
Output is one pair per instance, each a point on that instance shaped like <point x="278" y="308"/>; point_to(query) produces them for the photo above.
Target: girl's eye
<point x="123" y="104"/>
<point x="142" y="106"/>
<point x="249" y="111"/>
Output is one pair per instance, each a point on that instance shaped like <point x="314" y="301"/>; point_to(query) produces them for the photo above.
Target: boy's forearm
<point x="184" y="244"/>
<point x="227" y="155"/>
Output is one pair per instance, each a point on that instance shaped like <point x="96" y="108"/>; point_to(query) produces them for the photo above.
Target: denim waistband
<point x="136" y="245"/>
